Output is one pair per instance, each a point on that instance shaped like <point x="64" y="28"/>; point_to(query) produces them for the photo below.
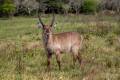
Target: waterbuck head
<point x="47" y="29"/>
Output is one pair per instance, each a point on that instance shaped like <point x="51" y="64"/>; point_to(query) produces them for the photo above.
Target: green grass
<point x="22" y="56"/>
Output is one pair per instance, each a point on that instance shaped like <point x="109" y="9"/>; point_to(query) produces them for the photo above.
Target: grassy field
<point x="22" y="56"/>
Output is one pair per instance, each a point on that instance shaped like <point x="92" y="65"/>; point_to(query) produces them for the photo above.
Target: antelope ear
<point x="55" y="24"/>
<point x="40" y="25"/>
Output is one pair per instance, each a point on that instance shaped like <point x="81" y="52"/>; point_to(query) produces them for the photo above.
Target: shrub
<point x="55" y="5"/>
<point x="89" y="6"/>
<point x="7" y="8"/>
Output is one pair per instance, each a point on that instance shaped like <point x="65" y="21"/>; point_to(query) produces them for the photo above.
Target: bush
<point x="89" y="6"/>
<point x="7" y="8"/>
<point x="54" y="5"/>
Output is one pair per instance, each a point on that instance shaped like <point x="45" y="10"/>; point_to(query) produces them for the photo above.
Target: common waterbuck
<point x="70" y="42"/>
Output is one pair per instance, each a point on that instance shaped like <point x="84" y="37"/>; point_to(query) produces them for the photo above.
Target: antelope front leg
<point x="79" y="58"/>
<point x="58" y="58"/>
<point x="48" y="61"/>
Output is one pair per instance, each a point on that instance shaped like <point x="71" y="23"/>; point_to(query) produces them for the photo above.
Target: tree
<point x="42" y="5"/>
<point x="1" y="3"/>
<point x="66" y="8"/>
<point x="110" y="5"/>
<point x="76" y="5"/>
<point x="30" y="6"/>
<point x="90" y="6"/>
<point x="54" y="5"/>
<point x="26" y="7"/>
<point x="7" y="8"/>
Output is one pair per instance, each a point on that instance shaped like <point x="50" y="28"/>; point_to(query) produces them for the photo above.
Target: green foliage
<point x="55" y="5"/>
<point x="89" y="6"/>
<point x="66" y="8"/>
<point x="7" y="8"/>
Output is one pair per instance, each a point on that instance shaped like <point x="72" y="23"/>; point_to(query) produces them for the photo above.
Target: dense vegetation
<point x="31" y="7"/>
<point x="22" y="56"/>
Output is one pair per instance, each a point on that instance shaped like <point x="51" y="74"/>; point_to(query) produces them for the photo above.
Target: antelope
<point x="70" y="42"/>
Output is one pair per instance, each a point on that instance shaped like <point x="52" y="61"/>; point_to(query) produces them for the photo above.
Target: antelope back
<point x="65" y="42"/>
